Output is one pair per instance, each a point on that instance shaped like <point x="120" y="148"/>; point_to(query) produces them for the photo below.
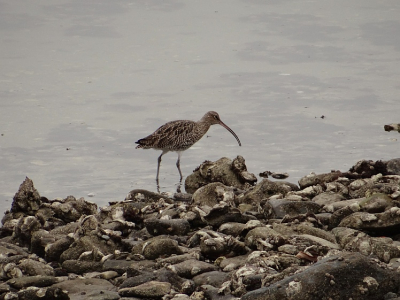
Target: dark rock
<point x="211" y="194"/>
<point x="27" y="200"/>
<point x="140" y="195"/>
<point x="157" y="247"/>
<point x="32" y="267"/>
<point x="49" y="293"/>
<point x="265" y="189"/>
<point x="151" y="289"/>
<point x="191" y="268"/>
<point x="171" y="227"/>
<point x="219" y="171"/>
<point x="264" y="238"/>
<point x="333" y="277"/>
<point x="314" y="179"/>
<point x="26" y="281"/>
<point x="214" y="278"/>
<point x="80" y="267"/>
<point x="353" y="240"/>
<point x="279" y="208"/>
<point x="224" y="213"/>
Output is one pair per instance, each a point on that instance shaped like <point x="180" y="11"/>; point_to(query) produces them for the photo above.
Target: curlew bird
<point x="180" y="135"/>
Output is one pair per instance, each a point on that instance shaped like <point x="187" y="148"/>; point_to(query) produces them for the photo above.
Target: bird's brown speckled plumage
<point x="180" y="135"/>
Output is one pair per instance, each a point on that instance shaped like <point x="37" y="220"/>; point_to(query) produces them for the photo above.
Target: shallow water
<point x="81" y="82"/>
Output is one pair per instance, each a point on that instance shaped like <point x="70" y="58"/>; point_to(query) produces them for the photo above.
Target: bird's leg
<point x="178" y="165"/>
<point x="158" y="167"/>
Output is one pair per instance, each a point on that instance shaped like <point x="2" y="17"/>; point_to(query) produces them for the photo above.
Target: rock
<point x="27" y="199"/>
<point x="379" y="222"/>
<point x="191" y="268"/>
<point x="265" y="189"/>
<point x="333" y="277"/>
<point x="26" y="281"/>
<point x="327" y="198"/>
<point x="393" y="166"/>
<point x="158" y="247"/>
<point x="151" y="289"/>
<point x="214" y="278"/>
<point x="140" y="195"/>
<point x="352" y="240"/>
<point x="261" y="238"/>
<point x="391" y="127"/>
<point x="32" y="267"/>
<point x="279" y="208"/>
<point x="221" y="171"/>
<point x="212" y="193"/>
<point x="172" y="227"/>
<point x="376" y="203"/>
<point x="48" y="293"/>
<point x="224" y="213"/>
<point x="314" y="179"/>
<point x="90" y="288"/>
<point x="80" y="267"/>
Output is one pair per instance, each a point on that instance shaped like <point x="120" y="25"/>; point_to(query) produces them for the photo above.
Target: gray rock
<point x="212" y="193"/>
<point x="36" y="293"/>
<point x="327" y="198"/>
<point x="222" y="171"/>
<point x="314" y="179"/>
<point x="353" y="240"/>
<point x="156" y="247"/>
<point x="32" y="267"/>
<point x="333" y="277"/>
<point x="171" y="227"/>
<point x="264" y="238"/>
<point x="85" y="288"/>
<point x="151" y="289"/>
<point x="26" y="281"/>
<point x="214" y="278"/>
<point x="191" y="268"/>
<point x="80" y="267"/>
<point x="279" y="208"/>
<point x="27" y="200"/>
<point x="265" y="189"/>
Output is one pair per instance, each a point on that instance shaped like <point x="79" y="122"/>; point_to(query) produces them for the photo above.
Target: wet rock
<point x="92" y="288"/>
<point x="327" y="198"/>
<point x="352" y="240"/>
<point x="265" y="189"/>
<point x="26" y="281"/>
<point x="232" y="228"/>
<point x="172" y="227"/>
<point x="214" y="278"/>
<point x="211" y="194"/>
<point x="140" y="195"/>
<point x="315" y="179"/>
<point x="151" y="289"/>
<point x="221" y="171"/>
<point x="239" y="167"/>
<point x="35" y="293"/>
<point x="333" y="277"/>
<point x="279" y="208"/>
<point x="71" y="209"/>
<point x="376" y="203"/>
<point x="191" y="268"/>
<point x="393" y="166"/>
<point x="224" y="213"/>
<point x="80" y="267"/>
<point x="157" y="247"/>
<point x="385" y="222"/>
<point x="264" y="238"/>
<point x="27" y="199"/>
<point x="32" y="267"/>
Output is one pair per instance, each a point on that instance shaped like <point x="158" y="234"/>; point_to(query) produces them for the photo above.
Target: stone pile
<point x="335" y="236"/>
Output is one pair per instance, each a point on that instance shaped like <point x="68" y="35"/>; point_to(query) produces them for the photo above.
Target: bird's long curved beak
<point x="231" y="131"/>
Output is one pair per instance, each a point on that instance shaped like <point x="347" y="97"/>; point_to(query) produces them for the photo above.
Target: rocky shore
<point x="333" y="236"/>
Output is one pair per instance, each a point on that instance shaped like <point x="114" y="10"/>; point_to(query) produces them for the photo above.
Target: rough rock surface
<point x="334" y="237"/>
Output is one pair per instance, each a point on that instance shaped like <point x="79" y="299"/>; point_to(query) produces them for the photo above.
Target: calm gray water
<point x="95" y="76"/>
